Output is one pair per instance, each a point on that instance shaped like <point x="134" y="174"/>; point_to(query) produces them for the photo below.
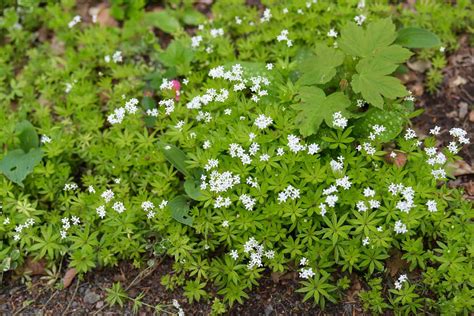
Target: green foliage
<point x="292" y="195"/>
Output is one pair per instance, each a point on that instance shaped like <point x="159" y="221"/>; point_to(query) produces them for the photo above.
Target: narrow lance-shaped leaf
<point x="180" y="210"/>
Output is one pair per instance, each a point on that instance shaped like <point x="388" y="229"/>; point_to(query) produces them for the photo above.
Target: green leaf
<point x="358" y="42"/>
<point x="28" y="136"/>
<point x="393" y="121"/>
<point x="148" y="104"/>
<point x="315" y="107"/>
<point x="164" y="20"/>
<point x="373" y="82"/>
<point x="192" y="189"/>
<point x="177" y="55"/>
<point x="415" y="37"/>
<point x="193" y="17"/>
<point x="180" y="210"/>
<point x="175" y="156"/>
<point x="320" y="68"/>
<point x="17" y="164"/>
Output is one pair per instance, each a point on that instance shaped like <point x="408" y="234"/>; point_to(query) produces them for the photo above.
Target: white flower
<point x="365" y="241"/>
<point x="107" y="195"/>
<point x="410" y="134"/>
<point x="269" y="66"/>
<point x="100" y="211"/>
<point x="147" y="206"/>
<point x="306" y="273"/>
<point x="400" y="228"/>
<point x="234" y="254"/>
<point x="435" y="131"/>
<point x="303" y="261"/>
<point x="217" y="32"/>
<point x="206" y="144"/>
<point x="221" y="182"/>
<point x="344" y="183"/>
<point x="119" y="207"/>
<point x="313" y="149"/>
<point x="338" y="120"/>
<point x="247" y="201"/>
<point x="368" y="192"/>
<point x="263" y="121"/>
<point x="75" y="20"/>
<point x="211" y="163"/>
<point x="280" y="151"/>
<point x="359" y="19"/>
<point x="361" y="207"/>
<point x="332" y="33"/>
<point x="294" y="144"/>
<point x="196" y="41"/>
<point x="432" y="205"/>
<point x="264" y="157"/>
<point x="117" y="57"/>
<point x="289" y="193"/>
<point x="267" y="15"/>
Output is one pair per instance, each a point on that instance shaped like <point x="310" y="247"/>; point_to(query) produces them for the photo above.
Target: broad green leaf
<point x="393" y="121"/>
<point x="415" y="37"/>
<point x="177" y="55"/>
<point x="373" y="82"/>
<point x="315" y="107"/>
<point x="27" y="135"/>
<point x="320" y="68"/>
<point x="164" y="20"/>
<point x="17" y="164"/>
<point x="192" y="189"/>
<point x="180" y="210"/>
<point x="193" y="17"/>
<point x="175" y="156"/>
<point x="358" y="42"/>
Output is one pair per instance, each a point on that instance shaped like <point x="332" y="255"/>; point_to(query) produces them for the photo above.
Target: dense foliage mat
<point x="274" y="139"/>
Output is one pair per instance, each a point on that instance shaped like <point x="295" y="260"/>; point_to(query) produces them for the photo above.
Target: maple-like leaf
<point x="320" y="68"/>
<point x="315" y="107"/>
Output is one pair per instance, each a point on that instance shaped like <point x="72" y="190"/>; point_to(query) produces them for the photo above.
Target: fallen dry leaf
<point x="395" y="263"/>
<point x="102" y="13"/>
<point x="469" y="188"/>
<point x="35" y="267"/>
<point x="471" y="116"/>
<point x="419" y="65"/>
<point x="69" y="277"/>
<point x="400" y="159"/>
<point x="460" y="168"/>
<point x="278" y="276"/>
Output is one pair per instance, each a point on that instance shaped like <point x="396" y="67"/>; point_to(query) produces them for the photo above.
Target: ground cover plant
<point x="274" y="139"/>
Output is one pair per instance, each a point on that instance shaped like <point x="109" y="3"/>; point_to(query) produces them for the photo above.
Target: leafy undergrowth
<point x="273" y="140"/>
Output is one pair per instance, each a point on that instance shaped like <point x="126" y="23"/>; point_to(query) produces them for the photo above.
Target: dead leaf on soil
<point x="278" y="276"/>
<point x="461" y="168"/>
<point x="395" y="263"/>
<point x="419" y="65"/>
<point x="471" y="116"/>
<point x="353" y="292"/>
<point x="469" y="188"/>
<point x="102" y="12"/>
<point x="400" y="159"/>
<point x="35" y="267"/>
<point x="458" y="81"/>
<point x="69" y="277"/>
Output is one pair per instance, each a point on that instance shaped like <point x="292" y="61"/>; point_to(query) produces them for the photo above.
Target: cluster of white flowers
<point x="252" y="182"/>
<point x="376" y="131"/>
<point x="432" y="205"/>
<point x="435" y="130"/>
<point x="107" y="195"/>
<point x="178" y="307"/>
<point x="459" y="135"/>
<point x="196" y="41"/>
<point x="400" y="228"/>
<point x="284" y="37"/>
<point x="211" y="163"/>
<point x="306" y="273"/>
<point x="119" y="114"/>
<point x="168" y="104"/>
<point x="19" y="228"/>
<point x="247" y="201"/>
<point x="410" y="134"/>
<point x="116" y="57"/>
<point x="373" y="204"/>
<point x="344" y="183"/>
<point x="401" y="279"/>
<point x="313" y="149"/>
<point x="263" y="121"/>
<point x="68" y="87"/>
<point x="222" y="202"/>
<point x="294" y="144"/>
<point x="289" y="193"/>
<point x="220" y="182"/>
<point x="75" y="20"/>
<point x="408" y="194"/>
<point x="267" y="15"/>
<point x="152" y="112"/>
<point x="119" y="207"/>
<point x="67" y="224"/>
<point x="235" y="150"/>
<point x="149" y="207"/>
<point x="361" y="103"/>
<point x="45" y="139"/>
<point x="257" y="252"/>
<point x="70" y="186"/>
<point x="217" y="32"/>
<point x="360" y="19"/>
<point x="338" y="120"/>
<point x="204" y="116"/>
<point x="211" y="95"/>
<point x="337" y="165"/>
<point x="100" y="210"/>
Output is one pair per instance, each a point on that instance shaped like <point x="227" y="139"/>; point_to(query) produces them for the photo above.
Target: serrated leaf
<point x="17" y="164"/>
<point x="180" y="210"/>
<point x="175" y="156"/>
<point x="193" y="190"/>
<point x="315" y="107"/>
<point x="177" y="55"/>
<point x="164" y="20"/>
<point x="373" y="82"/>
<point x="415" y="37"/>
<point x="27" y="134"/>
<point x="358" y="42"/>
<point x="320" y="68"/>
